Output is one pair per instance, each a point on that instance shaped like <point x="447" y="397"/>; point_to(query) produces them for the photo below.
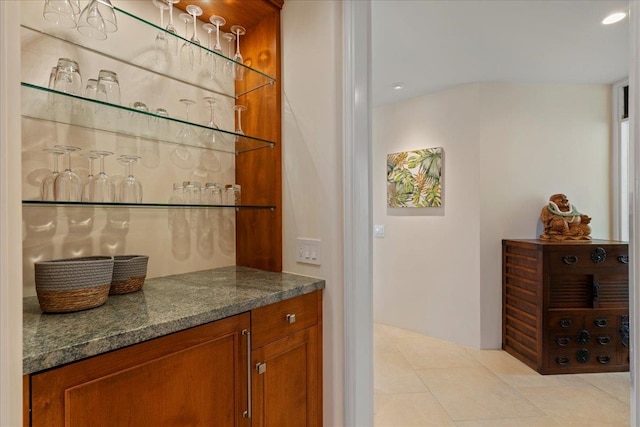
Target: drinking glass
<point x="129" y="189"/>
<point x="68" y="78"/>
<point x="109" y="80"/>
<point x="162" y="44"/>
<point x="208" y="135"/>
<point x="239" y="109"/>
<point x="103" y="188"/>
<point x="100" y="15"/>
<point x="193" y="196"/>
<point x="91" y="22"/>
<point x="228" y="66"/>
<point x="173" y="40"/>
<point x="195" y="11"/>
<point x="209" y="62"/>
<point x="213" y="193"/>
<point x="88" y="183"/>
<point x="140" y="122"/>
<point x="61" y="12"/>
<point x="185" y="134"/>
<point x="47" y="191"/>
<point x="95" y="90"/>
<point x="218" y="21"/>
<point x="68" y="185"/>
<point x="160" y="126"/>
<point x="186" y="50"/>
<point x="238" y="69"/>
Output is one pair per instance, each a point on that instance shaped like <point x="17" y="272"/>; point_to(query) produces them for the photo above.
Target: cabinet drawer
<point x="583" y="357"/>
<point x="275" y="321"/>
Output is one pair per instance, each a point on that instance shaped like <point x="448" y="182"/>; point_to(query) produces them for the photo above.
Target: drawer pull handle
<point x="604" y="359"/>
<point x="291" y="318"/>
<point x="570" y="260"/>
<point x="583" y="336"/>
<point x="604" y="340"/>
<point x="566" y="323"/>
<point x="582" y="355"/>
<point x="247" y="413"/>
<point x="624" y="259"/>
<point x="601" y="323"/>
<point x="562" y="361"/>
<point x="598" y="255"/>
<point x="563" y="341"/>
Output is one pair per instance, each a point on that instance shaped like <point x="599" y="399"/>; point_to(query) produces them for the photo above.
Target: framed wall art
<point x="414" y="179"/>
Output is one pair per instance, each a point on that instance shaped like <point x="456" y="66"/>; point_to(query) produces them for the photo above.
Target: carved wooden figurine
<point x="562" y="221"/>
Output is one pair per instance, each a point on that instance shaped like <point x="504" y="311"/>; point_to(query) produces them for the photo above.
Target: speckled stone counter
<point x="164" y="305"/>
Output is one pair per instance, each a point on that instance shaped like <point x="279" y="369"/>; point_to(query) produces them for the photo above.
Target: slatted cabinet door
<point x="197" y="377"/>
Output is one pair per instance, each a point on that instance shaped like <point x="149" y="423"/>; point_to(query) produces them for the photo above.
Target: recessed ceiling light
<point x="614" y="17"/>
<point x="398" y="86"/>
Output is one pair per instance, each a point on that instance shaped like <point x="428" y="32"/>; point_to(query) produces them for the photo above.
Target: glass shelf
<point x="118" y="46"/>
<point x="141" y="205"/>
<point x="51" y="105"/>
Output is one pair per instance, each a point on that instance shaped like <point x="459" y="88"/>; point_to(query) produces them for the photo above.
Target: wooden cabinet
<point x="197" y="377"/>
<point x="287" y="360"/>
<point x="566" y="305"/>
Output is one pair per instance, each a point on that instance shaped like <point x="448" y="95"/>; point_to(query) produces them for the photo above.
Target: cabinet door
<point x="285" y="380"/>
<point x="197" y="377"/>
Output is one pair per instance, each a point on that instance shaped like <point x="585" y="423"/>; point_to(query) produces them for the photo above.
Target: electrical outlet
<point x="308" y="251"/>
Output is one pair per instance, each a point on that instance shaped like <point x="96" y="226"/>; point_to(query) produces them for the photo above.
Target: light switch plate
<point x="308" y="251"/>
<point x="378" y="231"/>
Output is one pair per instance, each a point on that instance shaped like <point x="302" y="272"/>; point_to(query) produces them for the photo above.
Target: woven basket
<point x="129" y="272"/>
<point x="73" y="284"/>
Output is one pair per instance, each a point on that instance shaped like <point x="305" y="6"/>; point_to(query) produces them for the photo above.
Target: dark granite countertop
<point x="164" y="305"/>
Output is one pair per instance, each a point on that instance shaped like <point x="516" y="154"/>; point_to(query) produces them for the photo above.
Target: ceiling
<point x="431" y="45"/>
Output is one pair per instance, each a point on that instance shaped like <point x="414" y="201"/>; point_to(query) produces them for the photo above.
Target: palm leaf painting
<point x="414" y="179"/>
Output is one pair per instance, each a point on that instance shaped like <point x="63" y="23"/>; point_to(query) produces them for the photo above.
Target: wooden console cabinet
<point x="566" y="305"/>
<point x="197" y="377"/>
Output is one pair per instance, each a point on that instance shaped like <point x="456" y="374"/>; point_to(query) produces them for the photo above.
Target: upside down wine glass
<point x="103" y="188"/>
<point x="129" y="189"/>
<point x="195" y="11"/>
<point x="228" y="66"/>
<point x="88" y="183"/>
<point x="186" y="50"/>
<point x="239" y="109"/>
<point x="173" y="48"/>
<point x="209" y="135"/>
<point x="162" y="44"/>
<point x="68" y="185"/>
<point x="48" y="188"/>
<point x="238" y="69"/>
<point x="209" y="62"/>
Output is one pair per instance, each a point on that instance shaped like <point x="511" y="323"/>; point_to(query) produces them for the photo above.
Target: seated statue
<point x="562" y="221"/>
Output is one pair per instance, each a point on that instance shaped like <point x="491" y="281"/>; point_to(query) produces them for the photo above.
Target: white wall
<point x="312" y="168"/>
<point x="507" y="148"/>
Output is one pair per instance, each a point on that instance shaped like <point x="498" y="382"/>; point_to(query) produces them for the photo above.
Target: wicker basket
<point x="129" y="272"/>
<point x="73" y="284"/>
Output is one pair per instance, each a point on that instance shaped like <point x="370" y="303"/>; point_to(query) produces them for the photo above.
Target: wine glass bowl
<point x="209" y="135"/>
<point x="61" y="12"/>
<point x="228" y="66"/>
<point x="47" y="190"/>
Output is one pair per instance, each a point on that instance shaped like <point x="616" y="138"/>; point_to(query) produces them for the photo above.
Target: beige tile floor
<point x="422" y="381"/>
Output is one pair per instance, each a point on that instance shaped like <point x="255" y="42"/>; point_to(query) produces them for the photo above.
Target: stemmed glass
<point x="239" y="69"/>
<point x="61" y="12"/>
<point x="48" y="188"/>
<point x="181" y="156"/>
<point x="186" y="50"/>
<point x="228" y="66"/>
<point x="102" y="189"/>
<point x="208" y="135"/>
<point x="239" y="109"/>
<point x="88" y="183"/>
<point x="162" y="44"/>
<point x="185" y="134"/>
<point x="68" y="185"/>
<point x="171" y="28"/>
<point x="209" y="66"/>
<point x="195" y="11"/>
<point x="129" y="189"/>
<point x="218" y="21"/>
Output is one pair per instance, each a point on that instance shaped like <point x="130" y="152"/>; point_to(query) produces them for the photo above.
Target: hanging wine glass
<point x="129" y="189"/>
<point x="181" y="156"/>
<point x="103" y="188"/>
<point x="47" y="191"/>
<point x="238" y="69"/>
<point x="209" y="63"/>
<point x="218" y="21"/>
<point x="173" y="48"/>
<point x="161" y="43"/>
<point x="186" y="50"/>
<point x="185" y="134"/>
<point x="228" y="66"/>
<point x="195" y="11"/>
<point x="68" y="185"/>
<point x="88" y="182"/>
<point x="209" y="135"/>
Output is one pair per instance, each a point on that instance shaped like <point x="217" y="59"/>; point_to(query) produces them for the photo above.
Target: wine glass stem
<point x="171" y="14"/>
<point x="130" y="169"/>
<point x="194" y="27"/>
<point x="238" y="44"/>
<point x="239" y="120"/>
<point x="209" y="42"/>
<point x="187" y="105"/>
<point x="101" y="165"/>
<point x="68" y="154"/>
<point x="161" y="18"/>
<point x="55" y="162"/>
<point x="217" y="34"/>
